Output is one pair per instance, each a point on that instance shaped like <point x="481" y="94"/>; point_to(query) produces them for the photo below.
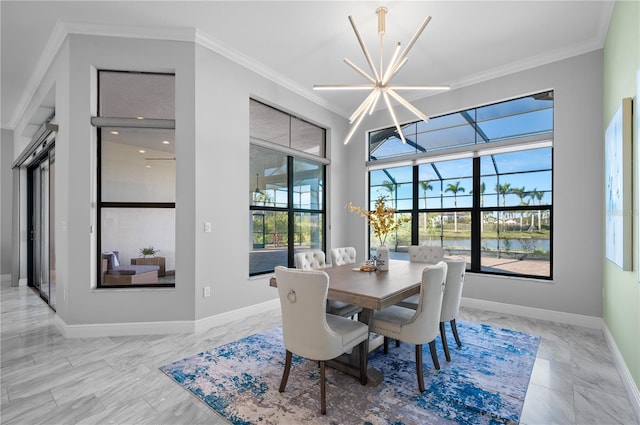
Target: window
<point x="479" y="184"/>
<point x="136" y="179"/>
<point x="286" y="188"/>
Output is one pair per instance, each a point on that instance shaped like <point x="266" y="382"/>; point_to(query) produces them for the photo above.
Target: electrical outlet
<point x="207" y="227"/>
<point x="206" y="291"/>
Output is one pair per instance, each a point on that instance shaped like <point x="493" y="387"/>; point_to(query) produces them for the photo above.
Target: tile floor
<point x="47" y="379"/>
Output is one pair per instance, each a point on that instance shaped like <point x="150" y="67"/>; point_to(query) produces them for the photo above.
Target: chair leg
<point x="443" y="336"/>
<point x="434" y="355"/>
<point x="454" y="329"/>
<point x="285" y="374"/>
<point x="323" y="396"/>
<point x="363" y="363"/>
<point x="397" y="343"/>
<point x="419" y="367"/>
<point x="386" y="344"/>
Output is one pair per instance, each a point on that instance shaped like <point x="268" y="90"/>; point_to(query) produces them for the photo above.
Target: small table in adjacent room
<point x="151" y="261"/>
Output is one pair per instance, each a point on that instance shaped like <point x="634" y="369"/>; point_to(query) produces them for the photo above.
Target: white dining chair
<point x="456" y="268"/>
<point x="418" y="326"/>
<point x="425" y="254"/>
<point x="315" y="259"/>
<point x="310" y="332"/>
<point x="343" y="255"/>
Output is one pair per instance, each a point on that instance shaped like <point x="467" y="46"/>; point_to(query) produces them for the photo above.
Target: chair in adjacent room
<point x="456" y="268"/>
<point x="310" y="332"/>
<point x="418" y="326"/>
<point x="342" y="256"/>
<point x="315" y="259"/>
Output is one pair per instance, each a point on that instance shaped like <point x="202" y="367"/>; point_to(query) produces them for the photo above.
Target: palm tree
<point x="455" y="188"/>
<point x="521" y="193"/>
<point x="539" y="195"/>
<point x="390" y="187"/>
<point x="425" y="185"/>
<point x="503" y="189"/>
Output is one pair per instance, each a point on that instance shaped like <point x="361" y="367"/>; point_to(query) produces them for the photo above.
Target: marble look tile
<point x="595" y="407"/>
<point x="553" y="375"/>
<point x="133" y="412"/>
<point x="24" y="410"/>
<point x="596" y="375"/>
<point x="546" y="406"/>
<point x="116" y="380"/>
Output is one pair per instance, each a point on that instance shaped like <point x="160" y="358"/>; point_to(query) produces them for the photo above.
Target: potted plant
<point x="148" y="252"/>
<point x="383" y="221"/>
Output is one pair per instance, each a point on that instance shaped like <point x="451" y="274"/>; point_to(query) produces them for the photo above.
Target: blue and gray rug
<point x="485" y="382"/>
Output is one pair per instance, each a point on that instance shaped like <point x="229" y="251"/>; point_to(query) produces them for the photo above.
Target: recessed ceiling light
<point x="142" y="151"/>
<point x="148" y="166"/>
<point x="140" y="118"/>
<point x="114" y="132"/>
<point x="166" y="142"/>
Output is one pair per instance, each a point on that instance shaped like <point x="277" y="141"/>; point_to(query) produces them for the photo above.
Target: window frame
<point x="100" y="123"/>
<point x="476" y="211"/>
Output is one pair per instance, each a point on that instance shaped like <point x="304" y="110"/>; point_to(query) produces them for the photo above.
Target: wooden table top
<point x="373" y="290"/>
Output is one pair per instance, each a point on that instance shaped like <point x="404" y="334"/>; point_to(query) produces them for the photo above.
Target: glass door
<point x="42" y="236"/>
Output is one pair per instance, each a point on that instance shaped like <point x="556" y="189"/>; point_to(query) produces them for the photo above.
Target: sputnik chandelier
<point x="379" y="83"/>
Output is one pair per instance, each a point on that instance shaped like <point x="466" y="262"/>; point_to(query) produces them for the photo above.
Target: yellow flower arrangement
<point x="382" y="219"/>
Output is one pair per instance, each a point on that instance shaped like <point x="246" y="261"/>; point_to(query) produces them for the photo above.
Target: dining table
<point x="371" y="290"/>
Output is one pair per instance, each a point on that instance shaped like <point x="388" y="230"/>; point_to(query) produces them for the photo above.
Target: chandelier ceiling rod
<point x="380" y="86"/>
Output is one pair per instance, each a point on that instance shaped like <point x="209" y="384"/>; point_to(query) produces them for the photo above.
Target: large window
<point x="477" y="182"/>
<point x="136" y="179"/>
<point x="286" y="188"/>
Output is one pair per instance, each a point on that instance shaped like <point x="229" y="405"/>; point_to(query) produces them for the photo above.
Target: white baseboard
<point x="535" y="313"/>
<point x="234" y="315"/>
<point x="623" y="370"/>
<point x="122" y="329"/>
<point x="165" y="327"/>
<point x="23" y="281"/>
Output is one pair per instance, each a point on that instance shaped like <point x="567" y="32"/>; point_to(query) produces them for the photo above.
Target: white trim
<point x="163" y="327"/>
<point x="23" y="281"/>
<point x="535" y="313"/>
<point x="234" y="315"/>
<point x="632" y="389"/>
<point x="122" y="329"/>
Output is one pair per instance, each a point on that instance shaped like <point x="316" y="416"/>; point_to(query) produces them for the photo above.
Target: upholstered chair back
<point x="303" y="299"/>
<point x="453" y="288"/>
<point x="341" y="256"/>
<point x="426" y="254"/>
<point x="310" y="260"/>
<point x="425" y="324"/>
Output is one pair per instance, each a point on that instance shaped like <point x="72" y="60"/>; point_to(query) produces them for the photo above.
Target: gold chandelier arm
<point x="363" y="106"/>
<point x="354" y="127"/>
<point x="364" y="48"/>
<point x="343" y="87"/>
<point x="358" y="70"/>
<point x="393" y="116"/>
<point x="414" y="39"/>
<point x="388" y="74"/>
<point x="375" y="102"/>
<point x="408" y="105"/>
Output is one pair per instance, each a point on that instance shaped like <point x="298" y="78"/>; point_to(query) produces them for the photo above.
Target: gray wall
<point x="6" y="158"/>
<point x="578" y="182"/>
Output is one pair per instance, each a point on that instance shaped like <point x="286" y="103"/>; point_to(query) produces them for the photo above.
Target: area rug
<point x="485" y="382"/>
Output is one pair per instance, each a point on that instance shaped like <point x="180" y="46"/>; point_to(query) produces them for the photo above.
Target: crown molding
<point x="205" y="40"/>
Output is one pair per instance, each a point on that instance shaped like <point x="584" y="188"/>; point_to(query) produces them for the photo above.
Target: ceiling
<point x="303" y="43"/>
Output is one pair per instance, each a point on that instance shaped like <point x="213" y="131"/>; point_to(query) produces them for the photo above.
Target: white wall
<point x="578" y="181"/>
<point x="6" y="158"/>
<point x="223" y="90"/>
